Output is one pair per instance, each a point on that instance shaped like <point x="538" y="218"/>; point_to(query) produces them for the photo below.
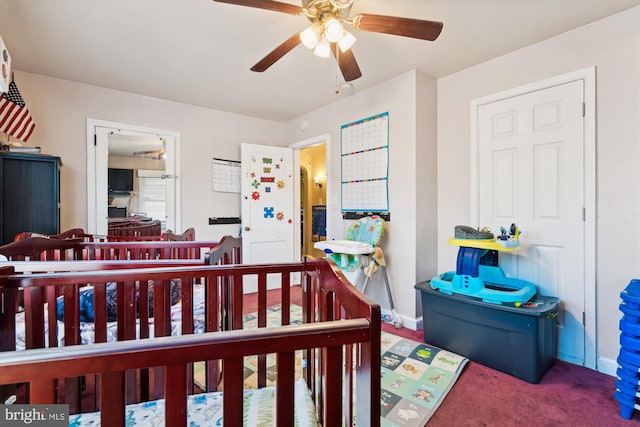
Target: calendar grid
<point x="365" y="164"/>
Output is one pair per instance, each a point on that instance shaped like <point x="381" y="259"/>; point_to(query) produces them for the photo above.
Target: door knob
<point x="247" y="228"/>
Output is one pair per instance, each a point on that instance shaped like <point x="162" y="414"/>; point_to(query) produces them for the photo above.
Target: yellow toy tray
<point x="492" y="244"/>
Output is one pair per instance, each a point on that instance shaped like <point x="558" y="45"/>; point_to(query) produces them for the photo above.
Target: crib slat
<point x="34" y="317"/>
<point x="52" y="317"/>
<point x="285" y="363"/>
<point x="235" y="304"/>
<point x="125" y="292"/>
<point x="332" y="370"/>
<point x="213" y="324"/>
<point x="348" y="378"/>
<point x="9" y="297"/>
<point x="112" y="401"/>
<point x="187" y="305"/>
<point x="233" y="369"/>
<point x="262" y="322"/>
<point x="175" y="389"/>
<point x="161" y="328"/>
<point x="100" y="312"/>
<point x="286" y="299"/>
<point x="42" y="391"/>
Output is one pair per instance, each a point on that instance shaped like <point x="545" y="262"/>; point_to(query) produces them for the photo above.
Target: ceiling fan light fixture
<point x="346" y="41"/>
<point x="333" y="29"/>
<point x="322" y="49"/>
<point x="311" y="35"/>
<point x="341" y="4"/>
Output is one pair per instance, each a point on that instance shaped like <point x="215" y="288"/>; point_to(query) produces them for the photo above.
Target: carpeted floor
<point x="416" y="377"/>
<point x="568" y="395"/>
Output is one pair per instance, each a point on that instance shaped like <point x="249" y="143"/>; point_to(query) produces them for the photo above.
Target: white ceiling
<point x="199" y="52"/>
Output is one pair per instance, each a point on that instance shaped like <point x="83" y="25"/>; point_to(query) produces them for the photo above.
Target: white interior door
<point x="267" y="187"/>
<point x="531" y="172"/>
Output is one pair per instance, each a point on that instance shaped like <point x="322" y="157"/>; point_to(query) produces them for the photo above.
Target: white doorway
<point x="313" y="198"/>
<point x="533" y="157"/>
<point x="120" y="138"/>
<point x="320" y="174"/>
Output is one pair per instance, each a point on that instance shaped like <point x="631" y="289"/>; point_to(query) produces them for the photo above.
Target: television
<point x="120" y="180"/>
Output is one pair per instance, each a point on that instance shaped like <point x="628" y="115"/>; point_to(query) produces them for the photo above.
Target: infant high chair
<point x="360" y="253"/>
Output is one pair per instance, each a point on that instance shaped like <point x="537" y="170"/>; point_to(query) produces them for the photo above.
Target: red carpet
<point x="568" y="395"/>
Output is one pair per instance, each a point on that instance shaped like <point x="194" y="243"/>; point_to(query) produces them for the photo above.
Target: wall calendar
<point x="226" y="176"/>
<point x="365" y="164"/>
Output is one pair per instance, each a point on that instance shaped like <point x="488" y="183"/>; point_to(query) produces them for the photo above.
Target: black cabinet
<point x="30" y="194"/>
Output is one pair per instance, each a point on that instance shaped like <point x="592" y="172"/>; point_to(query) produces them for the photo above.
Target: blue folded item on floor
<point x="626" y="391"/>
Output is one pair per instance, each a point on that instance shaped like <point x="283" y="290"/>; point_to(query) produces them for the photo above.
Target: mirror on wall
<point x="136" y="177"/>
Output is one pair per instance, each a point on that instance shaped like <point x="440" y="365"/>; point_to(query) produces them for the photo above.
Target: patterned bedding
<point x="206" y="410"/>
<point x="87" y="328"/>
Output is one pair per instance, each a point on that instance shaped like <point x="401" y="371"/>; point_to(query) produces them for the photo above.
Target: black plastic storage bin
<point x="520" y="341"/>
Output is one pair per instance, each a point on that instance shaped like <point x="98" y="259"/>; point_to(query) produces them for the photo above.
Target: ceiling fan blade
<point x="347" y="63"/>
<point x="266" y="4"/>
<point x="145" y="152"/>
<point x="407" y="27"/>
<point x="277" y="53"/>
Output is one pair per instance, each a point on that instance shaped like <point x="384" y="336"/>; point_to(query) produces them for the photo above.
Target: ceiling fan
<point x="327" y="34"/>
<point x="154" y="154"/>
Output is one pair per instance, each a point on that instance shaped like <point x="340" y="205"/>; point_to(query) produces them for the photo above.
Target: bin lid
<point x="538" y="305"/>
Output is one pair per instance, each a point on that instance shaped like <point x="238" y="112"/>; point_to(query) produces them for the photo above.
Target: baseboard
<point x="607" y="366"/>
<point x="413" y="323"/>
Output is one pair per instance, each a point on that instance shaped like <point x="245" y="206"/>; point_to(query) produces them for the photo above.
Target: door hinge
<point x="584" y="109"/>
<point x="95" y="140"/>
<point x="584" y="214"/>
<point x="584" y="319"/>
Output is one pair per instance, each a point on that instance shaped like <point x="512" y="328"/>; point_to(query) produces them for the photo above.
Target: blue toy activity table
<point x="484" y="282"/>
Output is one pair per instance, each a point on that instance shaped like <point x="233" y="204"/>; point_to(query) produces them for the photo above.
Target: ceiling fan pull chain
<point x="337" y="70"/>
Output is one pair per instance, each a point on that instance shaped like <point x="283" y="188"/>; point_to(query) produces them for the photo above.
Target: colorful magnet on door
<point x="280" y="184"/>
<point x="267" y="160"/>
<point x="268" y="212"/>
<point x="279" y="216"/>
<point x="252" y="174"/>
<point x="267" y="179"/>
<point x="267" y="189"/>
<point x="255" y="195"/>
<point x="266" y="170"/>
<point x="277" y="165"/>
<point x="255" y="184"/>
<point x="289" y="220"/>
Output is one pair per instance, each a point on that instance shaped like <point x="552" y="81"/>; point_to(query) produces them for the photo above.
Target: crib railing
<point x="326" y="296"/>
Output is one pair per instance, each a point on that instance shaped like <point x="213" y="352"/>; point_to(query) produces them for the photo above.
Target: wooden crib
<point x="339" y="337"/>
<point x="78" y="248"/>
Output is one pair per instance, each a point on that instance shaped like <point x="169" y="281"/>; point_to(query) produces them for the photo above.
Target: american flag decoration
<point x="15" y="119"/>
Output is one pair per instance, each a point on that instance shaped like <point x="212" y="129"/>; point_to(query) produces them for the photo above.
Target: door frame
<point x="588" y="76"/>
<point x="92" y="170"/>
<point x="296" y="147"/>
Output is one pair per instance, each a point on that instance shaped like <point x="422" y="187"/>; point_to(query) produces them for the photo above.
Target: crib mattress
<point x="87" y="329"/>
<point x="206" y="410"/>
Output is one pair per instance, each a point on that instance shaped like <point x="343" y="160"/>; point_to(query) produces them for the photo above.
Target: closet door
<point x="30" y="194"/>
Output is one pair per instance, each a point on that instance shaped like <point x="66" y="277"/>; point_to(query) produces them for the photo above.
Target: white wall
<point x="60" y="109"/>
<point x="613" y="46"/>
<point x="426" y="234"/>
<point x="396" y="96"/>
